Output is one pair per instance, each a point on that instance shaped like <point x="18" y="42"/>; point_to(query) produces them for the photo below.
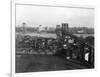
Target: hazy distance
<point x="34" y="16"/>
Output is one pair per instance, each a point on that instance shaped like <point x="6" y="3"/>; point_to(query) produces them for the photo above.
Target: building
<point x="64" y="29"/>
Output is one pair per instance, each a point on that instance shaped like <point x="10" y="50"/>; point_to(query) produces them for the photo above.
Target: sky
<point x="34" y="16"/>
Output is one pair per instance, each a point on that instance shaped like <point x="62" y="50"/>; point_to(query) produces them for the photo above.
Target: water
<point x="52" y="35"/>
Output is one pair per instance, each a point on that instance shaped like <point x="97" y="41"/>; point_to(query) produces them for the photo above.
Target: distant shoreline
<point x="52" y="35"/>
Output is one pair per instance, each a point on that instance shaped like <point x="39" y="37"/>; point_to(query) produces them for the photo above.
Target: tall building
<point x="64" y="29"/>
<point x="24" y="27"/>
<point x="58" y="30"/>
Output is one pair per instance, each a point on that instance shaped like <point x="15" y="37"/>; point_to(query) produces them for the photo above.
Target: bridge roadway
<point x="37" y="63"/>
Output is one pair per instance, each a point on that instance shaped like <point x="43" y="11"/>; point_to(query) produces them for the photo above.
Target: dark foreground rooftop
<point x="37" y="63"/>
